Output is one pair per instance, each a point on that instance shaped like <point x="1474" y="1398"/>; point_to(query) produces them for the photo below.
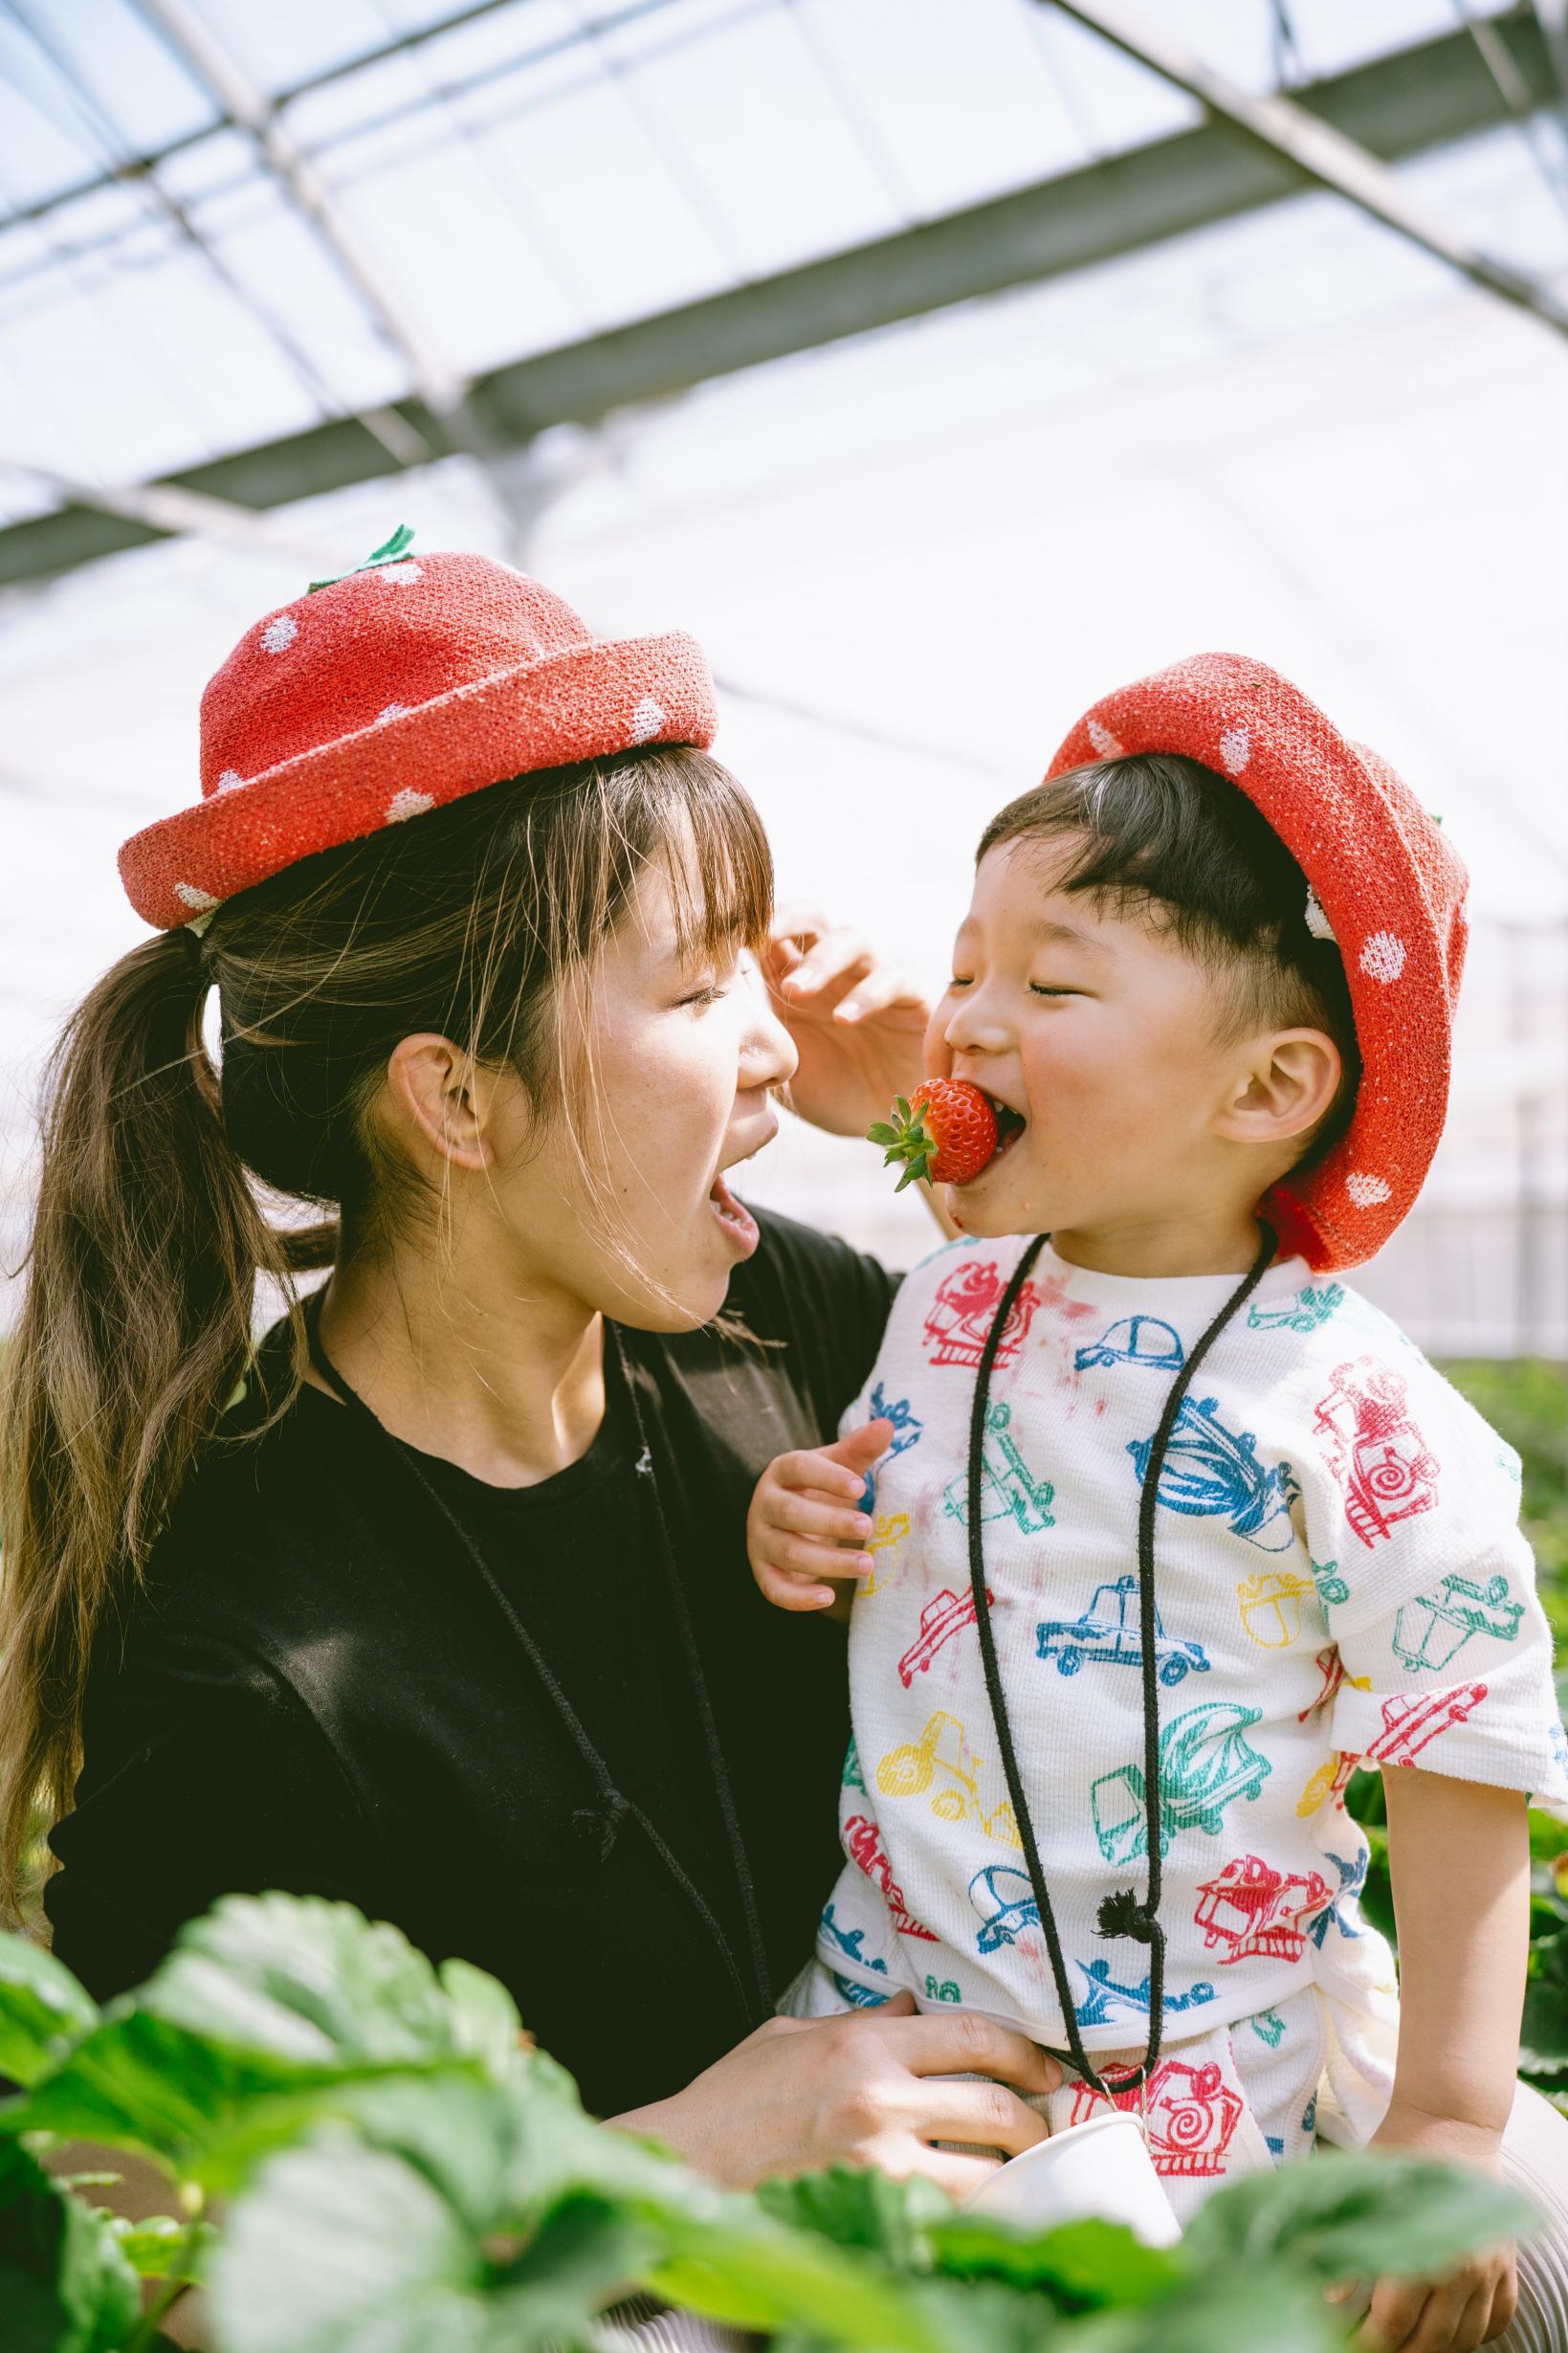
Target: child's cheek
<point x="939" y="1054"/>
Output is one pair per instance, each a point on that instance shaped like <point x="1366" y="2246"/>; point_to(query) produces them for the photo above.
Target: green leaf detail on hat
<point x="388" y="552"/>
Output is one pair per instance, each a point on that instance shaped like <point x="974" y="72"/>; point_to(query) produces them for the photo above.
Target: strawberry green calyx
<point x="910" y="1140"/>
<point x="944" y="1135"/>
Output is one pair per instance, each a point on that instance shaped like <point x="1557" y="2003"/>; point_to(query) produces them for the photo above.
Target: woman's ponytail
<point x="135" y="1324"/>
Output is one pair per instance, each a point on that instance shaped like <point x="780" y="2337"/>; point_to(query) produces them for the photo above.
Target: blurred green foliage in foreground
<point x="363" y="2152"/>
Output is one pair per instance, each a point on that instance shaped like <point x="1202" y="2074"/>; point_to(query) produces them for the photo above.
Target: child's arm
<point x="1459" y="1855"/>
<point x="803" y="1524"/>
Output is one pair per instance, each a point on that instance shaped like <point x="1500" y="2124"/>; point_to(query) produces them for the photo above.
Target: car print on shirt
<point x="959" y="1320"/>
<point x="1429" y="1629"/>
<point x="1412" y="1720"/>
<point x="1384" y="1466"/>
<point x="1213" y="1473"/>
<point x="1206" y="1762"/>
<point x="947" y="1615"/>
<point x="1146" y="1341"/>
<point x="1306" y="1311"/>
<point x="1258" y="1913"/>
<point x="1107" y="1632"/>
<point x="863" y="1844"/>
<point x="1008" y="1488"/>
<point x="943" y="1759"/>
<point x="1004" y="1900"/>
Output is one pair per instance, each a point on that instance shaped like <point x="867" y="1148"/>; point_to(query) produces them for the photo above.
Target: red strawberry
<point x="944" y="1133"/>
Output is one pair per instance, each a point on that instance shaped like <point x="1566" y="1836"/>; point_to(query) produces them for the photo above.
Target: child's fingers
<point x="816" y="1468"/>
<point x="808" y="1556"/>
<point x="806" y="1512"/>
<point x="858" y="1449"/>
<point x="790" y="1592"/>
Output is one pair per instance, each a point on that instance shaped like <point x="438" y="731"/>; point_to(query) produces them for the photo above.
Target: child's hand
<point x="803" y="1524"/>
<point x="1465" y="2307"/>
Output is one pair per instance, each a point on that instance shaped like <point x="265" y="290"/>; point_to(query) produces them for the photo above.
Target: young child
<point x="1206" y="979"/>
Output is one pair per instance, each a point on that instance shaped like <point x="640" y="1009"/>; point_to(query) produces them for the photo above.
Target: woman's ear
<point x="441" y="1101"/>
<point x="1287" y="1090"/>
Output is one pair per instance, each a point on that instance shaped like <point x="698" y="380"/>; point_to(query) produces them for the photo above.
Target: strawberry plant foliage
<point x="400" y="2169"/>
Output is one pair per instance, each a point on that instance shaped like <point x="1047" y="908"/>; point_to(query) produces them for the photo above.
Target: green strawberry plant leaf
<point x="65" y="2285"/>
<point x="317" y="1985"/>
<point x="338" y="2246"/>
<point x="43" y="2011"/>
<point x="267" y="2015"/>
<point x="1544" y="2030"/>
<point x="858" y="2206"/>
<point x="1084" y="2266"/>
<point x="1345" y="2217"/>
<point x="1221" y="2312"/>
<point x="421" y="2225"/>
<point x="162" y="2247"/>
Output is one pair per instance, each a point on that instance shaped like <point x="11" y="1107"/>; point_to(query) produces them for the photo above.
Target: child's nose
<point x="975" y="1027"/>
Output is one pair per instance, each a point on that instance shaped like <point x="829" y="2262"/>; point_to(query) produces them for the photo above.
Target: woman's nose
<point x="768" y="1058"/>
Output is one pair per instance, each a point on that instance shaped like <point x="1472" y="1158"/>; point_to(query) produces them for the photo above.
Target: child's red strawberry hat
<point x="391" y="691"/>
<point x="1384" y="885"/>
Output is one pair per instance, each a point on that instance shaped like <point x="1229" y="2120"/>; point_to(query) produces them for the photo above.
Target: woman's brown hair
<point x="152" y="1227"/>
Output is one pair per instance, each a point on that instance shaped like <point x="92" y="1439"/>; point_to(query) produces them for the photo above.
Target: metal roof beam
<point x="1282" y="126"/>
<point x="440" y="386"/>
<point x="1396" y="106"/>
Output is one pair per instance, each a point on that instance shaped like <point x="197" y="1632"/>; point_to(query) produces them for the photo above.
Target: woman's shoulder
<point x="824" y="1300"/>
<point x="799" y="1281"/>
<point x="278" y="1497"/>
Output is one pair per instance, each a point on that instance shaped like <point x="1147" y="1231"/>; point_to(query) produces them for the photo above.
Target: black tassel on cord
<point x="1121" y="1915"/>
<point x="600" y="1826"/>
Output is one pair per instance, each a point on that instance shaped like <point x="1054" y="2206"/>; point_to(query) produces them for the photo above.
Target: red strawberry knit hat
<point x="391" y="691"/>
<point x="1384" y="885"/>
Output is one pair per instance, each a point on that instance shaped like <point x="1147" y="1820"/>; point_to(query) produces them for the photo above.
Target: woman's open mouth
<point x="732" y="1215"/>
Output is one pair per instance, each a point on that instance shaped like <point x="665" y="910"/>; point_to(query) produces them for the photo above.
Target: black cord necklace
<point x="1120" y="1913"/>
<point x="614" y="1806"/>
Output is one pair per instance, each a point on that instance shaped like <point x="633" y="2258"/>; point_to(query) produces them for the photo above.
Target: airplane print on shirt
<point x="1212" y="1473"/>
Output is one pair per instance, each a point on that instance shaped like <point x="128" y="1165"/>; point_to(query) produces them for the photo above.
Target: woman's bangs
<point x="719" y="863"/>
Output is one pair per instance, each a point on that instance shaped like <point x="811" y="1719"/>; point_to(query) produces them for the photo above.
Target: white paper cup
<point x="1100" y="2168"/>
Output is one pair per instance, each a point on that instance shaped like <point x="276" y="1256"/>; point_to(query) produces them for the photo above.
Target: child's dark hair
<point x="1164" y="834"/>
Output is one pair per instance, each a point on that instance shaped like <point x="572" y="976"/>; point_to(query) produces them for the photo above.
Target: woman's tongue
<point x="732" y="1215"/>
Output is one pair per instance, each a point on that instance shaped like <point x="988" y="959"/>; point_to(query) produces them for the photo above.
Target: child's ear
<point x="1288" y="1087"/>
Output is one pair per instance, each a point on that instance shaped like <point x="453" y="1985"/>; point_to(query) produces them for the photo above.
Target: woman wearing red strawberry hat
<point x="435" y="1601"/>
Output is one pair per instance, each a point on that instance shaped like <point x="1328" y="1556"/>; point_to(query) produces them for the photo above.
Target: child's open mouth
<point x="1009" y="1126"/>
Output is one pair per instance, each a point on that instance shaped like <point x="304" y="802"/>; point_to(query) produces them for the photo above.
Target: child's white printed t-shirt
<point x="1338" y="1573"/>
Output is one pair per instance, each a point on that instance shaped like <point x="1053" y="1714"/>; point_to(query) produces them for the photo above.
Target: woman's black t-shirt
<point x="317" y="1692"/>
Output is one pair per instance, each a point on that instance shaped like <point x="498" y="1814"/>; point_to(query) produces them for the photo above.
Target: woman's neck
<point x="505" y="1379"/>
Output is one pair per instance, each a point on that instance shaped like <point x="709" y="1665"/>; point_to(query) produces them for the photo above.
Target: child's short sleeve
<point x="1429" y="1585"/>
